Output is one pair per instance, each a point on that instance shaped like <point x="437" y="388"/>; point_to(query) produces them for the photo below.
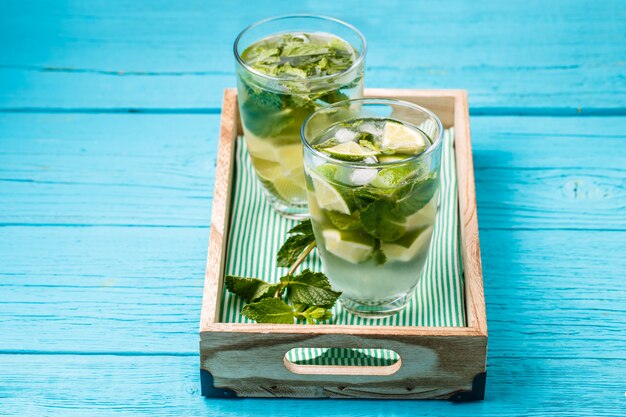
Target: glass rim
<point x="354" y="65"/>
<point x="435" y="145"/>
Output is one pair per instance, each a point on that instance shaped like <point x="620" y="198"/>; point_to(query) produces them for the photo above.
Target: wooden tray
<point x="248" y="360"/>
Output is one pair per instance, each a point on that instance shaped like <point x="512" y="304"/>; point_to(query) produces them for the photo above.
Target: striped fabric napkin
<point x="257" y="232"/>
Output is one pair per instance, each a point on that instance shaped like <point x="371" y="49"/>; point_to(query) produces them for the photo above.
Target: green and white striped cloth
<point x="257" y="232"/>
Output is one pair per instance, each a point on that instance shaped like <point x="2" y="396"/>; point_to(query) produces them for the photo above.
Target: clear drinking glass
<point x="287" y="68"/>
<point x="372" y="171"/>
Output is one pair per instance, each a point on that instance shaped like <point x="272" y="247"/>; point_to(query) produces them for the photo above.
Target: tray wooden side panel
<point x="220" y="215"/>
<point x="476" y="315"/>
<point x="441" y="367"/>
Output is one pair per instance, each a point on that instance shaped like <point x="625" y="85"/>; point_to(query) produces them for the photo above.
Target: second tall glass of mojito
<point x="287" y="68"/>
<point x="372" y="171"/>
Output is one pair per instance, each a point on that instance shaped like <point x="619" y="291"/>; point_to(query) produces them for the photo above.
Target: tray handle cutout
<point x="342" y="361"/>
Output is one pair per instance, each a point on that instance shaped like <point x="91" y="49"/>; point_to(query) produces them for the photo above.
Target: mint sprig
<point x="310" y="288"/>
<point x="269" y="310"/>
<point x="251" y="289"/>
<point x="310" y="292"/>
<point x="300" y="239"/>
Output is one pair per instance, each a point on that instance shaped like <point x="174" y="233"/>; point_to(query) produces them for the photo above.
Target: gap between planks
<point x="475" y="111"/>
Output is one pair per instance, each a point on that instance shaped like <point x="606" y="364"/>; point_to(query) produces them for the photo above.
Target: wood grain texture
<point x="253" y="366"/>
<point x="220" y="216"/>
<point x="168" y="386"/>
<point x="468" y="218"/>
<point x="85" y="170"/>
<point x="551" y="295"/>
<point x="164" y="54"/>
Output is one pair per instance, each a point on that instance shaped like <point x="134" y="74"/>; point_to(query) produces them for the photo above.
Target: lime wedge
<point x="424" y="216"/>
<point x="290" y="158"/>
<point x="328" y="197"/>
<point x="343" y="221"/>
<point x="288" y="189"/>
<point x="409" y="246"/>
<point x="315" y="212"/>
<point x="351" y="247"/>
<point x="393" y="177"/>
<point x="392" y="158"/>
<point x="349" y="151"/>
<point x="398" y="138"/>
<point x="267" y="170"/>
<point x="261" y="148"/>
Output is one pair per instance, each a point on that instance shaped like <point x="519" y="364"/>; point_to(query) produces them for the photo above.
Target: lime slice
<point x="409" y="246"/>
<point x="328" y="171"/>
<point x="267" y="170"/>
<point x="328" y="197"/>
<point x="351" y="247"/>
<point x="290" y="158"/>
<point x="315" y="212"/>
<point x="343" y="221"/>
<point x="288" y="189"/>
<point x="349" y="151"/>
<point x="398" y="138"/>
<point x="392" y="158"/>
<point x="423" y="217"/>
<point x="261" y="148"/>
<point x="393" y="177"/>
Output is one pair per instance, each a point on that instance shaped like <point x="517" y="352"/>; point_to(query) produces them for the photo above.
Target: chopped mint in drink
<point x="300" y="55"/>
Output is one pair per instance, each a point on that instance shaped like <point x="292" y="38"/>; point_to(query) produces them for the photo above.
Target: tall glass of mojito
<point x="372" y="172"/>
<point x="287" y="68"/>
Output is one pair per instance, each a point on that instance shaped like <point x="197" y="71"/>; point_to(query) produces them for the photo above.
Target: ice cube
<point x="345" y="135"/>
<point x="315" y="161"/>
<point x="370" y="128"/>
<point x="362" y="176"/>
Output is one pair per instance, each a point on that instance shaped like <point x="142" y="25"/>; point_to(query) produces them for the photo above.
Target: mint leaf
<point x="302" y="237"/>
<point x="251" y="289"/>
<point x="304" y="227"/>
<point x="344" y="221"/>
<point x="312" y="314"/>
<point x="414" y="196"/>
<point x="379" y="221"/>
<point x="310" y="288"/>
<point x="269" y="310"/>
<point x="265" y="113"/>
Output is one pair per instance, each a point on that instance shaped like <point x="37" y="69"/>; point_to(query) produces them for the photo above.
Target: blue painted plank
<point x="113" y="169"/>
<point x="65" y="288"/>
<point x="168" y="54"/>
<point x="69" y="385"/>
<point x="157" y="170"/>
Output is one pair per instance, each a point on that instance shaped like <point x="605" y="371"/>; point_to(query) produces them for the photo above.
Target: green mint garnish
<point x="269" y="310"/>
<point x="378" y="221"/>
<point x="251" y="289"/>
<point x="300" y="56"/>
<point x="310" y="288"/>
<point x="301" y="237"/>
<point x="311" y="314"/>
<point x="310" y="292"/>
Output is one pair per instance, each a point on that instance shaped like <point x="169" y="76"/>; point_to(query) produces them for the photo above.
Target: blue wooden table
<point x="109" y="116"/>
